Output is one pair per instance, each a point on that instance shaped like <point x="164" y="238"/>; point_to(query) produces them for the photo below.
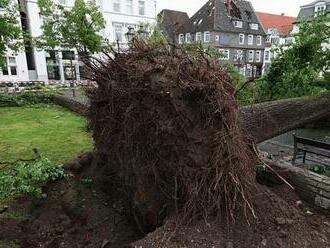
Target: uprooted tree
<point x="166" y="124"/>
<point x="169" y="134"/>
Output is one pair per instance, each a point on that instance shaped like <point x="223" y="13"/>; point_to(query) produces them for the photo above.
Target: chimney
<point x="282" y="14"/>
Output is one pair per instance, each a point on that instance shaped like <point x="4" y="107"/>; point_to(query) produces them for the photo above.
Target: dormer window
<point x="238" y="24"/>
<point x="320" y="8"/>
<point x="254" y="26"/>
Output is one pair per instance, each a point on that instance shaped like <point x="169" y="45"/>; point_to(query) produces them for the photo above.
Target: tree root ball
<point x="166" y="124"/>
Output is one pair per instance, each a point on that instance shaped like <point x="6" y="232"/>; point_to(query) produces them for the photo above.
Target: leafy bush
<point x="27" y="98"/>
<point x="27" y="178"/>
<point x="297" y="66"/>
<point x="321" y="170"/>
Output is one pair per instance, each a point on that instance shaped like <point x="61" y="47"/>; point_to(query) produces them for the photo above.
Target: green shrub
<point x="321" y="170"/>
<point x="27" y="98"/>
<point x="28" y="178"/>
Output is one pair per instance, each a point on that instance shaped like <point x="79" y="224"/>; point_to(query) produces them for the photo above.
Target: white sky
<point x="289" y="7"/>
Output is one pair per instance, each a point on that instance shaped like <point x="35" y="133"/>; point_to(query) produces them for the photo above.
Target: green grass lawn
<point x="58" y="134"/>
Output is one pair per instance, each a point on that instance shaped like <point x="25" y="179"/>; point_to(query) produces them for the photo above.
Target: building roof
<point x="283" y="24"/>
<point x="213" y="17"/>
<point x="171" y="20"/>
<point x="308" y="11"/>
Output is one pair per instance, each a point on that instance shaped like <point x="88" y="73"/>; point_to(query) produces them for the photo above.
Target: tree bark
<point x="267" y="120"/>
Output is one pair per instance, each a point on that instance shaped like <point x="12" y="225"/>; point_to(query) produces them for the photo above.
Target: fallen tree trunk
<point x="267" y="120"/>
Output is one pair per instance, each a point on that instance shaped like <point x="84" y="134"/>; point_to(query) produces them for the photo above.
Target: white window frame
<point x="267" y="58"/>
<point x="130" y="7"/>
<point x="254" y="26"/>
<point x="207" y="36"/>
<point x="198" y="36"/>
<point x="250" y="39"/>
<point x="239" y="39"/>
<point x="320" y="8"/>
<point x="259" y="40"/>
<point x="188" y="37"/>
<point x="251" y="59"/>
<point x="258" y="56"/>
<point x="116" y="27"/>
<point x="239" y="55"/>
<point x="181" y="39"/>
<point x="225" y="52"/>
<point x="238" y="24"/>
<point x="116" y="6"/>
<point x="142" y="7"/>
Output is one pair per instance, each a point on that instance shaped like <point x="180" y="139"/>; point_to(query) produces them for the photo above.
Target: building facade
<point x="279" y="33"/>
<point x="35" y="64"/>
<point x="232" y="27"/>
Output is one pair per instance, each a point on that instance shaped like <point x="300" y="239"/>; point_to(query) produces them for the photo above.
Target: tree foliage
<point x="11" y="35"/>
<point x="298" y="65"/>
<point x="78" y="27"/>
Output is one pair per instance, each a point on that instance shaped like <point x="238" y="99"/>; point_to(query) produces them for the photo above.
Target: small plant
<point x="28" y="178"/>
<point x="23" y="99"/>
<point x="321" y="170"/>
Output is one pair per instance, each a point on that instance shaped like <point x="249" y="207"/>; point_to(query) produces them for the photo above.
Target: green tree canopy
<point x="77" y="27"/>
<point x="297" y="66"/>
<point x="11" y="34"/>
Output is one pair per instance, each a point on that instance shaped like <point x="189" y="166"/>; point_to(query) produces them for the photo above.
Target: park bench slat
<point x="306" y="145"/>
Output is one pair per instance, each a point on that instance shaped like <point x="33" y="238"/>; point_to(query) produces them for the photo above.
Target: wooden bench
<point x="304" y="146"/>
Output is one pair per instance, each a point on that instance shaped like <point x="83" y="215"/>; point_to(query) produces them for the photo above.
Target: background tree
<point x="11" y="34"/>
<point x="75" y="28"/>
<point x="296" y="68"/>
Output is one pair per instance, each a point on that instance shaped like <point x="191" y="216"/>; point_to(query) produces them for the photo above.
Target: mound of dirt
<point x="284" y="221"/>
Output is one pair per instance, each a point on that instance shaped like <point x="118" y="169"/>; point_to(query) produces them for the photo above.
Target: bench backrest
<point x="311" y="142"/>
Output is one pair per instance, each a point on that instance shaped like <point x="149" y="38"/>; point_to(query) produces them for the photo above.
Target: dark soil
<point x="283" y="221"/>
<point x="76" y="214"/>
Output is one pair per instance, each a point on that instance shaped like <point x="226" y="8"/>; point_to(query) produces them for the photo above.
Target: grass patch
<point x="58" y="134"/>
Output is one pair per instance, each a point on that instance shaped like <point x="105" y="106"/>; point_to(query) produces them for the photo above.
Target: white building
<point x="38" y="65"/>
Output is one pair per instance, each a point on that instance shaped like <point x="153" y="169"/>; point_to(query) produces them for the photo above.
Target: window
<point x="266" y="56"/>
<point x="141" y="8"/>
<point x="249" y="70"/>
<point x="258" y="56"/>
<point x="198" y="36"/>
<point x="118" y="32"/>
<point x="5" y="71"/>
<point x="116" y="5"/>
<point x="320" y="8"/>
<point x="251" y="55"/>
<point x="239" y="55"/>
<point x="224" y="54"/>
<point x="250" y="39"/>
<point x="181" y="38"/>
<point x="254" y="26"/>
<point x="12" y="66"/>
<point x="268" y="39"/>
<point x="129" y="6"/>
<point x="238" y="24"/>
<point x="207" y="36"/>
<point x="217" y="38"/>
<point x="241" y="39"/>
<point x="188" y="37"/>
<point x="259" y="40"/>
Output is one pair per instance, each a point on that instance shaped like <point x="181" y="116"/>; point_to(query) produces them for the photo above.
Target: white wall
<point x="123" y="18"/>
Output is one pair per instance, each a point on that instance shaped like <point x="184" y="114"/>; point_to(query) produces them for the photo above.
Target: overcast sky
<point x="289" y="7"/>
